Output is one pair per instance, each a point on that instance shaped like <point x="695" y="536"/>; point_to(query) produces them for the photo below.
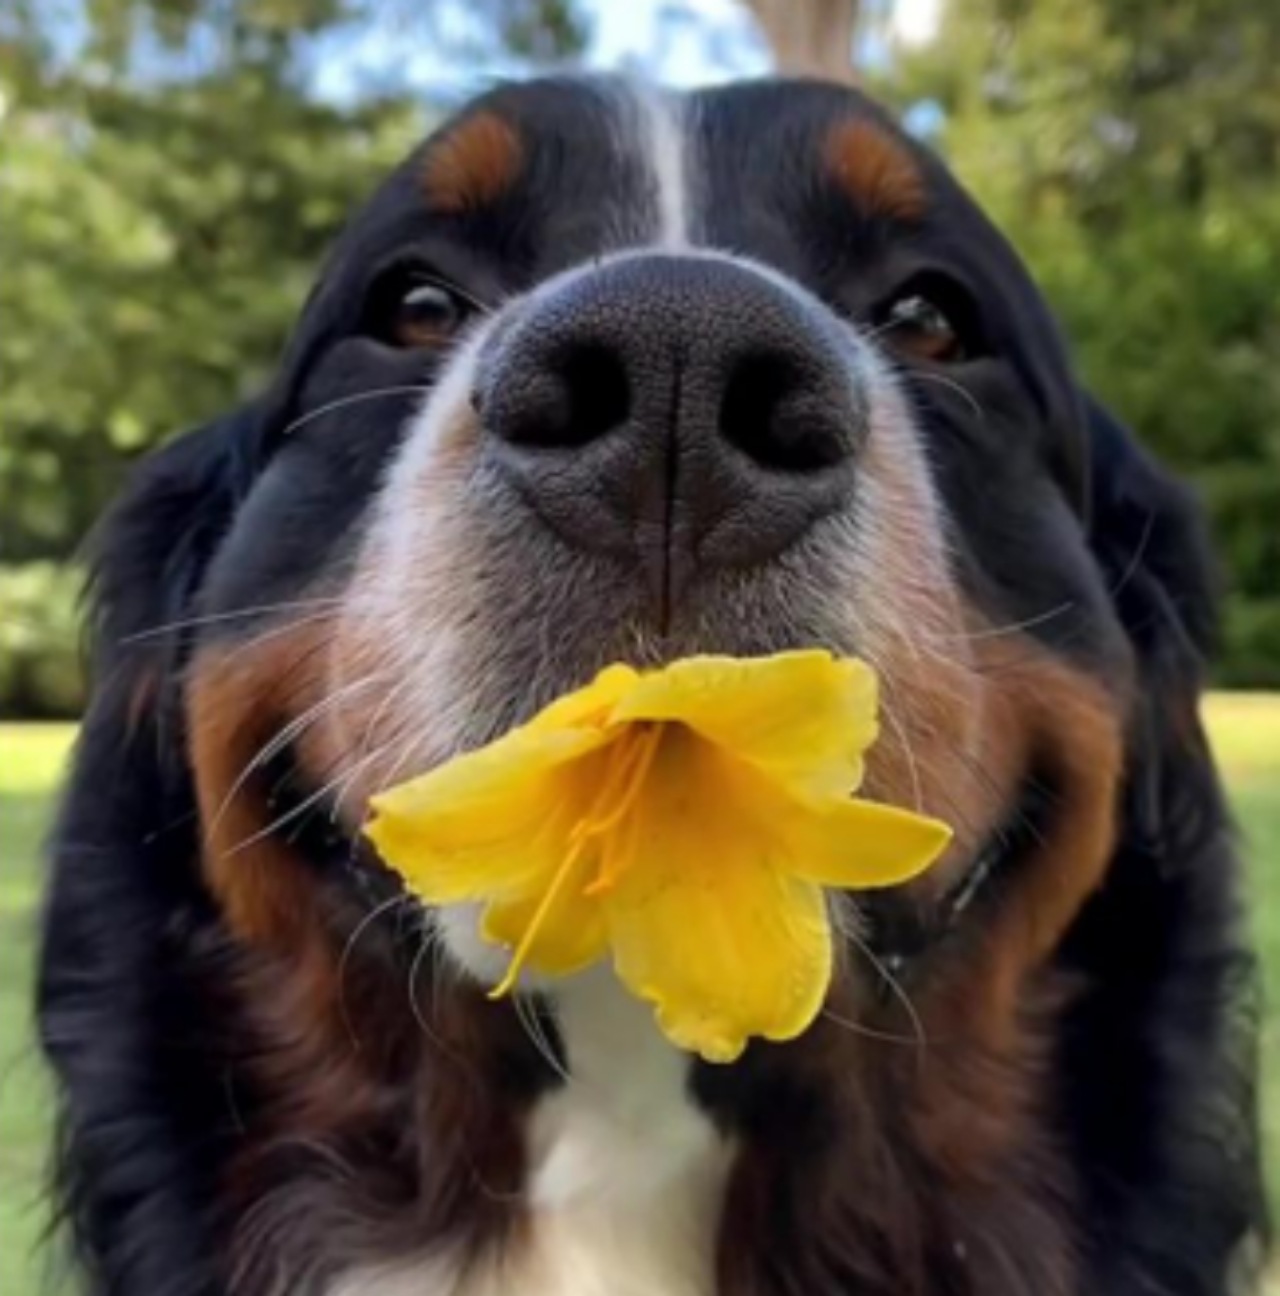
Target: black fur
<point x="1161" y="1053"/>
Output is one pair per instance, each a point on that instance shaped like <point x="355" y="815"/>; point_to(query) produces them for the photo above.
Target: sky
<point x="716" y="42"/>
<point x="396" y="44"/>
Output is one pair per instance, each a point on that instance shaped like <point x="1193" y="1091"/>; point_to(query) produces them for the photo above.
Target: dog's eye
<point x="918" y="325"/>
<point x="427" y="314"/>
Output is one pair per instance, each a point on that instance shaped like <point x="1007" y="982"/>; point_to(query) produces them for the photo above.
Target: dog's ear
<point x="1148" y="535"/>
<point x="148" y="554"/>
<point x="1165" y="1023"/>
<point x="125" y="895"/>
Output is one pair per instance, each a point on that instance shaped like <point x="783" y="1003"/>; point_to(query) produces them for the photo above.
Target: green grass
<point x="31" y="760"/>
<point x="1246" y="734"/>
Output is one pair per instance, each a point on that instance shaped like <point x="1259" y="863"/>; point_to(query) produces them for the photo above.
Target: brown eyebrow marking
<point x="474" y="164"/>
<point x="875" y="169"/>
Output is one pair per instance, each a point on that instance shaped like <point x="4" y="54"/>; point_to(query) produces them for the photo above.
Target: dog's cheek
<point x="970" y="712"/>
<point x="243" y="701"/>
<point x="942" y="749"/>
<point x="1071" y="726"/>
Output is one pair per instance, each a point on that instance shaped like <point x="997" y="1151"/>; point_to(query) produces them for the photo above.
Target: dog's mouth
<point x="304" y="816"/>
<point x="901" y="926"/>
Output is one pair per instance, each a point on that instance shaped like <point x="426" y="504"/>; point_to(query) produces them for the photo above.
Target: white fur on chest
<point x="626" y="1175"/>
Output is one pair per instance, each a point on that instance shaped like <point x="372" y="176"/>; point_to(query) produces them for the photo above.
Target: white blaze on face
<point x="665" y="143"/>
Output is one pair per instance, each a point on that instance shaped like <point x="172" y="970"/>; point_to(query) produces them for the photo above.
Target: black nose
<point x="686" y="411"/>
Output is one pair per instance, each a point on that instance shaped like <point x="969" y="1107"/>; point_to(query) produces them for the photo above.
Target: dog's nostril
<point x="571" y="399"/>
<point x="769" y="413"/>
<point x="599" y="393"/>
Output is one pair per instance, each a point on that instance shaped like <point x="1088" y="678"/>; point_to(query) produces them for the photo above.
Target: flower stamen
<point x="549" y="896"/>
<point x="614" y="861"/>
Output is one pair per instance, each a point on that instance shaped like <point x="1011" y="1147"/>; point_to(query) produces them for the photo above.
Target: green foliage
<point x="40" y="661"/>
<point x="538" y="31"/>
<point x="172" y="181"/>
<point x="159" y="235"/>
<point x="1132" y="150"/>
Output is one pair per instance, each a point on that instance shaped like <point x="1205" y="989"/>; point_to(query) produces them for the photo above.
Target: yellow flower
<point x="687" y="820"/>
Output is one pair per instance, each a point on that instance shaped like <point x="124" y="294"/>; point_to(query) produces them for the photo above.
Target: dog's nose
<point x="689" y="411"/>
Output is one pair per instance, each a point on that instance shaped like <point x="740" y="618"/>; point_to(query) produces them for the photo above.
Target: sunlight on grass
<point x="33" y="756"/>
<point x="1245" y="731"/>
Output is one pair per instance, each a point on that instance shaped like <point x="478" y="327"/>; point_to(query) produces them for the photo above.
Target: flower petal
<point x="805" y="717"/>
<point x="588" y="707"/>
<point x="570" y="932"/>
<point x="493" y="822"/>
<point x="834" y="840"/>
<point x="855" y="843"/>
<point x="702" y="926"/>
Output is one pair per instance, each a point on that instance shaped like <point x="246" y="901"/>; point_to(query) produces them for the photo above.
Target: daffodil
<point x="687" y="820"/>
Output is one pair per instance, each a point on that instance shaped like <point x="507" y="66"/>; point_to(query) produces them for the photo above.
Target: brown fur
<point x="238" y="700"/>
<point x="390" y="1108"/>
<point x="474" y="164"/>
<point x="1068" y="729"/>
<point x="875" y="170"/>
<point x="931" y="1165"/>
<point x="368" y="1066"/>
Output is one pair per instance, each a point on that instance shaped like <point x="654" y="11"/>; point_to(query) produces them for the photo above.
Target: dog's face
<point x="601" y="375"/>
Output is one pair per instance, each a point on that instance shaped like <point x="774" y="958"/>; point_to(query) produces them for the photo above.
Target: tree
<point x="142" y="206"/>
<point x="810" y="37"/>
<point x="173" y="178"/>
<point x="1131" y="148"/>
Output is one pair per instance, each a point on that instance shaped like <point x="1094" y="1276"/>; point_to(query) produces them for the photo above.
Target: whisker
<point x="289" y="816"/>
<point x="438" y="974"/>
<point x="891" y="716"/>
<point x="348" y="947"/>
<point x="284" y="736"/>
<point x="527" y="1015"/>
<point x="430" y="938"/>
<point x="950" y="384"/>
<point x="955" y="813"/>
<point x="341" y="402"/>
<point x="869" y="1032"/>
<point x="216" y="618"/>
<point x="353" y="772"/>
<point x="408" y="752"/>
<point x="1013" y="627"/>
<point x="279" y="632"/>
<point x="294" y="812"/>
<point x="890" y="709"/>
<point x="1136" y="560"/>
<point x="894" y="986"/>
<point x="365" y="755"/>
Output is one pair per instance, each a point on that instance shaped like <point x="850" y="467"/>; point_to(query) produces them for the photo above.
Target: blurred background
<point x="174" y="169"/>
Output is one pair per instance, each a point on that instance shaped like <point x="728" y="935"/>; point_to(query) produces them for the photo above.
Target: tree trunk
<point x="810" y="37"/>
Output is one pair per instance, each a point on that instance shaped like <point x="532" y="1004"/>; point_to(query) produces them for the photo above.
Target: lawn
<point x="1246" y="734"/>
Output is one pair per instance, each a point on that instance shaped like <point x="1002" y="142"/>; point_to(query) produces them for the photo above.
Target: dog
<point x="603" y="373"/>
